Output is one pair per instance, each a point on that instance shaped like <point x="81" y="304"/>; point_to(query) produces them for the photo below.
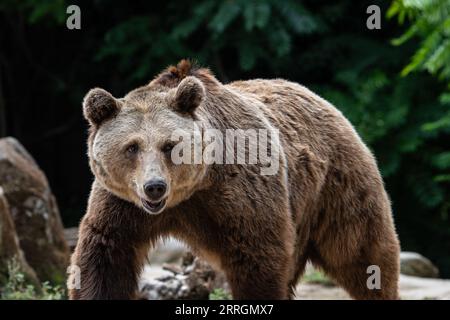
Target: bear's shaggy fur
<point x="326" y="204"/>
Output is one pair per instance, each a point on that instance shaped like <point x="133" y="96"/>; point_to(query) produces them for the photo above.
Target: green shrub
<point x="17" y="288"/>
<point x="317" y="277"/>
<point x="219" y="294"/>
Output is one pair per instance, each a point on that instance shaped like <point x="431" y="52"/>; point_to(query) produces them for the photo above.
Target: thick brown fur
<point x="327" y="203"/>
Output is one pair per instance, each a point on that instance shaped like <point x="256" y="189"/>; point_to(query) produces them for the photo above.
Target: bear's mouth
<point x="153" y="207"/>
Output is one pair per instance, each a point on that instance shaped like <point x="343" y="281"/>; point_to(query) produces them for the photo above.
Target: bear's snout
<point x="155" y="189"/>
<point x="155" y="193"/>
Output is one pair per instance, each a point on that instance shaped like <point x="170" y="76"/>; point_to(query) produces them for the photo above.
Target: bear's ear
<point x="99" y="105"/>
<point x="189" y="94"/>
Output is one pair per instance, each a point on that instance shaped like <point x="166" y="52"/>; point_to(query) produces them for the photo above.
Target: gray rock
<point x="34" y="211"/>
<point x="414" y="264"/>
<point x="194" y="279"/>
<point x="10" y="251"/>
<point x="168" y="251"/>
<point x="71" y="236"/>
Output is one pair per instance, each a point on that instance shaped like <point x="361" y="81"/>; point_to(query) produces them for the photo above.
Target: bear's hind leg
<point x="359" y="280"/>
<point x="363" y="258"/>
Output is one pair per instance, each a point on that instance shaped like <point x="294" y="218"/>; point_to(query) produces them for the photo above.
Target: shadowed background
<point x="391" y="83"/>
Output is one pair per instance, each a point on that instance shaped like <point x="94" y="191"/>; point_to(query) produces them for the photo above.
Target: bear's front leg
<point x="114" y="239"/>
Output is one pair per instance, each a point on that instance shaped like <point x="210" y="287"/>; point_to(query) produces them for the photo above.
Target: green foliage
<point x="256" y="30"/>
<point x="317" y="277"/>
<point x="219" y="294"/>
<point x="430" y="22"/>
<point x="17" y="287"/>
<point x="37" y="10"/>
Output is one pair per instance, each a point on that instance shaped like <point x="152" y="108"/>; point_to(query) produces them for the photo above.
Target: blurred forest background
<point x="393" y="83"/>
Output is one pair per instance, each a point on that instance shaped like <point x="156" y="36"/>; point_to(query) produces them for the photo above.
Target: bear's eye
<point x="167" y="148"/>
<point x="132" y="148"/>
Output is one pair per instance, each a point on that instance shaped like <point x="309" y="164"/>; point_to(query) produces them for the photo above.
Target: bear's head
<point x="131" y="141"/>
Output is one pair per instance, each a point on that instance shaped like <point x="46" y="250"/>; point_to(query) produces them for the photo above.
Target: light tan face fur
<point x="128" y="150"/>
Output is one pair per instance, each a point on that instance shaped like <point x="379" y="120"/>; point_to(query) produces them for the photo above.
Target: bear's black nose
<point x="155" y="189"/>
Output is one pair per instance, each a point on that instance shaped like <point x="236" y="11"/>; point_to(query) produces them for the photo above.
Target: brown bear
<point x="324" y="203"/>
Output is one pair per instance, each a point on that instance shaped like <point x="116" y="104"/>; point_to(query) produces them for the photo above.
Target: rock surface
<point x="411" y="288"/>
<point x="414" y="264"/>
<point x="194" y="279"/>
<point x="167" y="251"/>
<point x="34" y="212"/>
<point x="10" y="251"/>
<point x="71" y="236"/>
<point x="157" y="282"/>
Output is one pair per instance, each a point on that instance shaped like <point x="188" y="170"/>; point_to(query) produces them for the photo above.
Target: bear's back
<point x="303" y="118"/>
